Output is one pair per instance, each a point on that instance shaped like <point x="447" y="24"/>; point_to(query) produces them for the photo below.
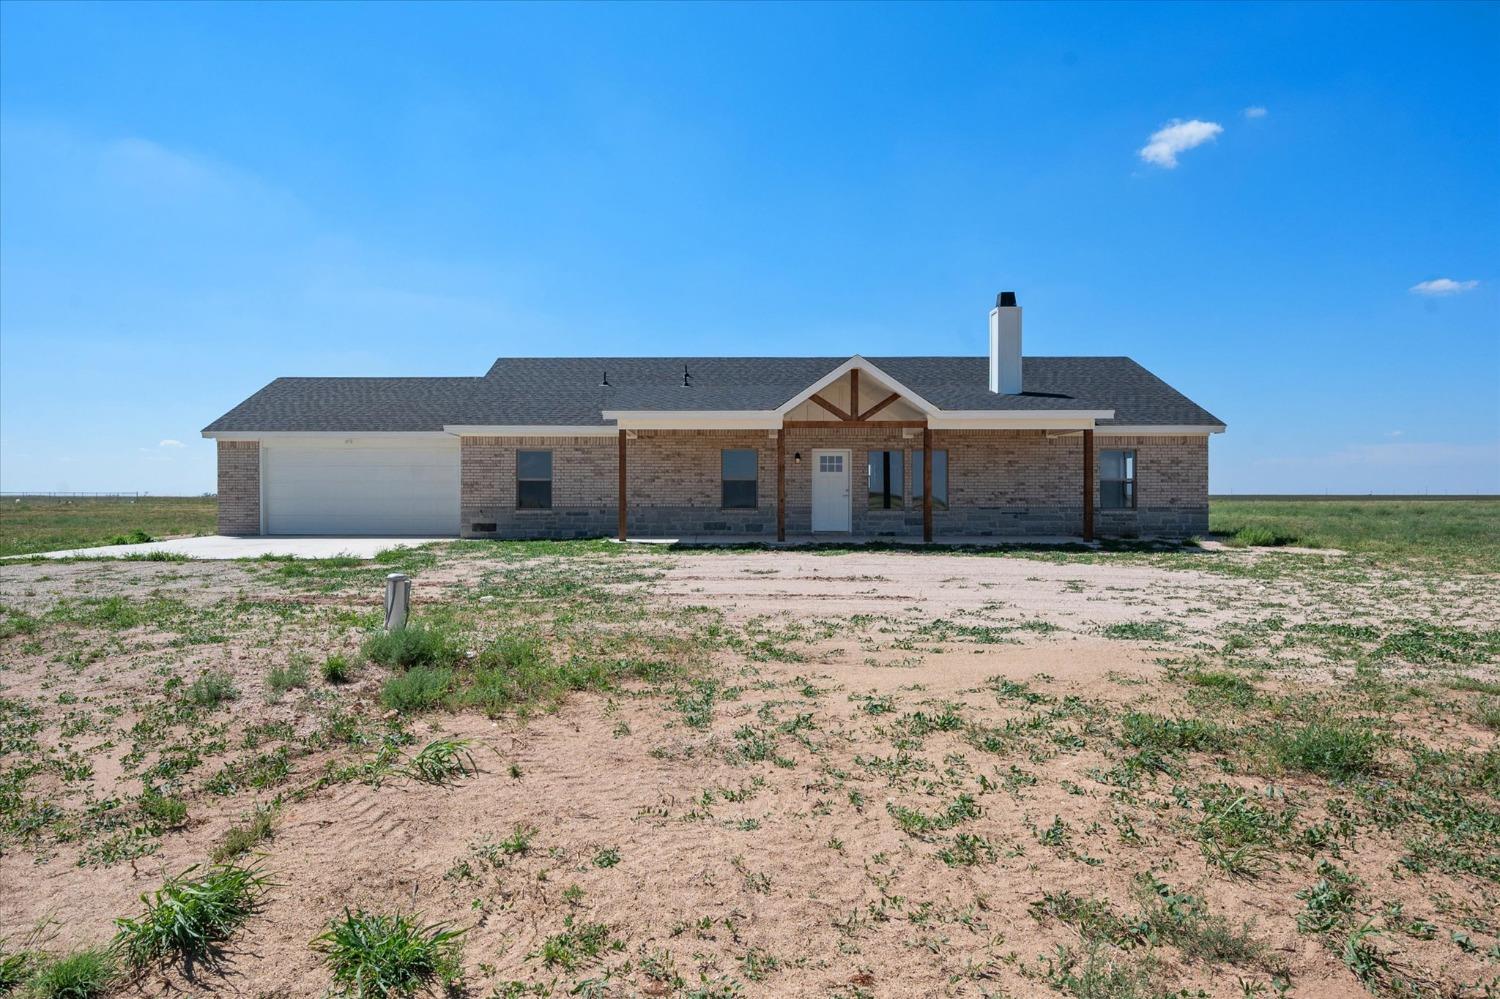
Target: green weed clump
<point x="1332" y="749"/>
<point x="163" y="811"/>
<point x="337" y="669"/>
<point x="83" y="974"/>
<point x="192" y="914"/>
<point x="440" y="761"/>
<point x="212" y="689"/>
<point x="1424" y="643"/>
<point x="135" y="537"/>
<point x="415" y="645"/>
<point x="376" y="956"/>
<point x="1219" y="685"/>
<point x="285" y="678"/>
<point x="576" y="945"/>
<point x="1140" y="631"/>
<point x="418" y="689"/>
<point x="1140" y="730"/>
<point x="15" y="967"/>
<point x="243" y="838"/>
<point x="512" y="670"/>
<point x="1239" y="834"/>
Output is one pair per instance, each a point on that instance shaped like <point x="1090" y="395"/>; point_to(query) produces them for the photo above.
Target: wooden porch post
<point x="1088" y="485"/>
<point x="926" y="483"/>
<point x="780" y="485"/>
<point x="624" y="499"/>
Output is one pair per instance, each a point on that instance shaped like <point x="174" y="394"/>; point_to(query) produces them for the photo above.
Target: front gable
<point x="860" y="382"/>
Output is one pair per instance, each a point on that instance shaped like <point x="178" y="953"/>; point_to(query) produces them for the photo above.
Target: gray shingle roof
<point x="352" y="404"/>
<point x="567" y="391"/>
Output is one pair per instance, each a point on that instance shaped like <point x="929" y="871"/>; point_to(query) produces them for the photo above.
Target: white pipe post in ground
<point x="397" y="600"/>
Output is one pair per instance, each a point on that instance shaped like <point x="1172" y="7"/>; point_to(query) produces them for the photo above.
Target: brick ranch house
<point x="748" y="447"/>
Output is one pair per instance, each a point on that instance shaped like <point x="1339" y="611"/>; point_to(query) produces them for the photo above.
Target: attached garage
<point x="398" y="486"/>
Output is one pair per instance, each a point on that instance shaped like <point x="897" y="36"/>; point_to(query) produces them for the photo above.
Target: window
<point x="831" y="463"/>
<point x="887" y="484"/>
<point x="1117" y="480"/>
<point x="533" y="480"/>
<point x="740" y="469"/>
<point x="939" y="479"/>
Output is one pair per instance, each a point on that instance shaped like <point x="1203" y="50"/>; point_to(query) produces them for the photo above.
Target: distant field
<point x="1467" y="527"/>
<point x="40" y="524"/>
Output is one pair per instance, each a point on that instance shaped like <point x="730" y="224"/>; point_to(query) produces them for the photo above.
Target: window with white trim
<point x="533" y="480"/>
<point x="739" y="472"/>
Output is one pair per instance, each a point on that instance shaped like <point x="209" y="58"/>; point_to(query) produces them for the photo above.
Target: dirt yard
<point x="1131" y="773"/>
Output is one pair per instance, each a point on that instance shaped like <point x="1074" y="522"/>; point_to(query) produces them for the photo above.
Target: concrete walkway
<point x="220" y="547"/>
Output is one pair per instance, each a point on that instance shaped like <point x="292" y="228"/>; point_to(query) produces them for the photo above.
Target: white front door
<point x="830" y="490"/>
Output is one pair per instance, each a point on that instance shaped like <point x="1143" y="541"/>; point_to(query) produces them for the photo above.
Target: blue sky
<point x="196" y="199"/>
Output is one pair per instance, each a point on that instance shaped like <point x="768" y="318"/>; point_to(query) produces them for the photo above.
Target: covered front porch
<point x="845" y="462"/>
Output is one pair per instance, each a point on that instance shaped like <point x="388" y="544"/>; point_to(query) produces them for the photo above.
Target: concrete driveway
<point x="220" y="547"/>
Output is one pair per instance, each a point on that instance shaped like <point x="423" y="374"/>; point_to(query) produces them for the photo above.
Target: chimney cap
<point x="1006" y="300"/>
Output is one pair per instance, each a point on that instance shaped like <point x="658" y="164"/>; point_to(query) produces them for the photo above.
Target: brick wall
<point x="1000" y="483"/>
<point x="1171" y="486"/>
<point x="239" y="487"/>
<point x="584" y="481"/>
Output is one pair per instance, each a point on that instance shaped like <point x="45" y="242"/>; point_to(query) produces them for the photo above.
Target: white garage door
<point x="370" y="485"/>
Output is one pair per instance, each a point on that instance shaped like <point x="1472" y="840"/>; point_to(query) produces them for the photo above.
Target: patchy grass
<point x="43" y="524"/>
<point x="1306" y="715"/>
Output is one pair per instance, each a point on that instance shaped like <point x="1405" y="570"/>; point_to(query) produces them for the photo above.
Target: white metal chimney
<point x="1005" y="345"/>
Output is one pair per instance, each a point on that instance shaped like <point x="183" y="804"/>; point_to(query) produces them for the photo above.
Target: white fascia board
<point x="989" y="420"/>
<point x="843" y="369"/>
<point x="732" y="419"/>
<point x="1035" y="423"/>
<point x="527" y="430"/>
<point x="1164" y="430"/>
<point x="1011" y="415"/>
<point x="302" y="435"/>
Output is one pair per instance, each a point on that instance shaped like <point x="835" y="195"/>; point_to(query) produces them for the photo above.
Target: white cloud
<point x="1178" y="136"/>
<point x="1256" y="111"/>
<point x="170" y="443"/>
<point x="1443" y="286"/>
